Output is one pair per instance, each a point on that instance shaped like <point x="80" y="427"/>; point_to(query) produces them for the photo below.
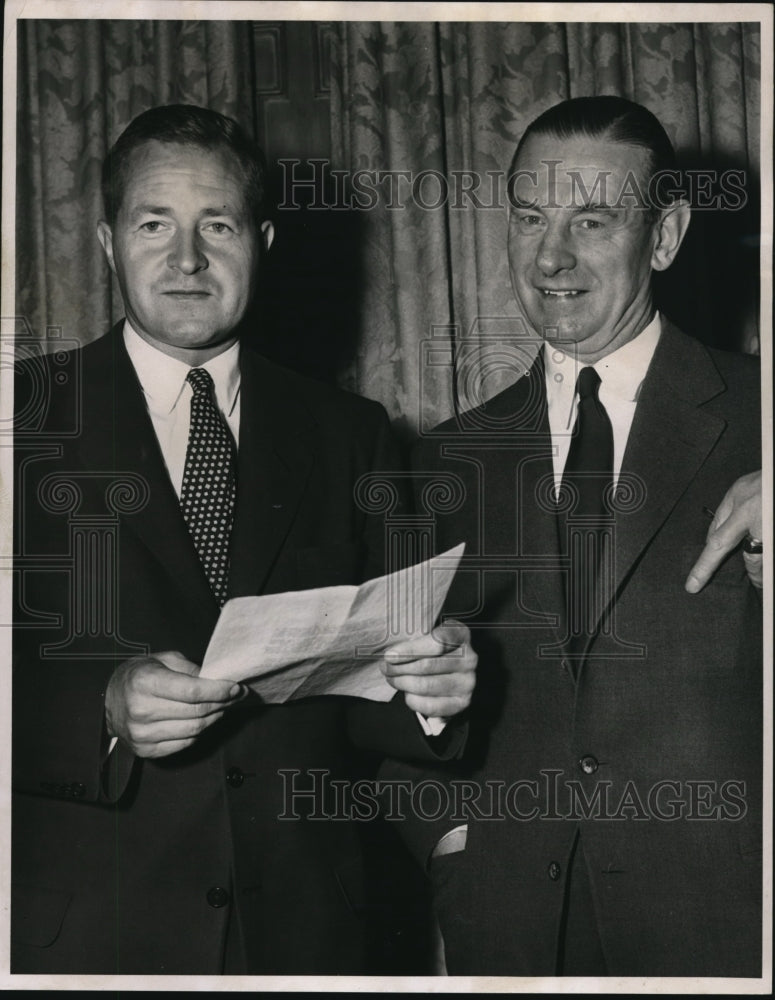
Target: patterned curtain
<point x="442" y="102"/>
<point x="448" y="102"/>
<point x="79" y="85"/>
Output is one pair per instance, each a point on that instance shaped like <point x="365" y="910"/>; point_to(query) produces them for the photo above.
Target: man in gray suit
<point x="612" y="780"/>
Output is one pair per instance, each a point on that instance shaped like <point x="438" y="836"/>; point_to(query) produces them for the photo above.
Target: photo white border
<point x="337" y="11"/>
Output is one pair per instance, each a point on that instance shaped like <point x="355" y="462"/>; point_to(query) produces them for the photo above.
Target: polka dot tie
<point x="209" y="489"/>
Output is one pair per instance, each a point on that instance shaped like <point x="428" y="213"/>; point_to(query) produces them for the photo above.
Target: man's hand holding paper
<point x="368" y="642"/>
<point x="157" y="705"/>
<point x="436" y="672"/>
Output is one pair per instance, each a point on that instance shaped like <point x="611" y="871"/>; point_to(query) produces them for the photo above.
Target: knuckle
<point x="138" y="731"/>
<point x="139" y="712"/>
<point x="140" y="746"/>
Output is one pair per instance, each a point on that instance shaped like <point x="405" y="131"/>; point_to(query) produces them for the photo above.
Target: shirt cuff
<point x="433" y="726"/>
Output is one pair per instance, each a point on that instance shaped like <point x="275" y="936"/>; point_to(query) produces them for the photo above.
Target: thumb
<point x="174" y="660"/>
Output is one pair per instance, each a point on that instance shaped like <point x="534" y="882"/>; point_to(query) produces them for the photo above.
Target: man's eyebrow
<point x="223" y="210"/>
<point x="166" y="210"/>
<point x="519" y="203"/>
<point x="596" y="206"/>
<point x="150" y="210"/>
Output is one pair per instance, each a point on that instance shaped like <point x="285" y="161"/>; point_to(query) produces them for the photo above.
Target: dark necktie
<point x="589" y="474"/>
<point x="209" y="488"/>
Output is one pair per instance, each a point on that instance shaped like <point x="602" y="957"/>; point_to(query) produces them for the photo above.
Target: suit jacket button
<point x="234" y="777"/>
<point x="78" y="790"/>
<point x="217" y="897"/>
<point x="588" y="764"/>
<point x="554" y="871"/>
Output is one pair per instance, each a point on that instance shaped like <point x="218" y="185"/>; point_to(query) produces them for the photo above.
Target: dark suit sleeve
<point x="59" y="740"/>
<point x="406" y="772"/>
<point x="60" y="745"/>
<point x="392" y="729"/>
<point x="426" y="800"/>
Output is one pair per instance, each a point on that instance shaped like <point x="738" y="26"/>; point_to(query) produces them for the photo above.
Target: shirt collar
<point x="163" y="378"/>
<point x="622" y="372"/>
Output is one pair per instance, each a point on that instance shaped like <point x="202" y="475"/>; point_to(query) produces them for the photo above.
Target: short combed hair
<point x="607" y="117"/>
<point x="186" y="125"/>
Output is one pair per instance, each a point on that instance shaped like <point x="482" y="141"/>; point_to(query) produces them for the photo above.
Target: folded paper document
<point x="331" y="640"/>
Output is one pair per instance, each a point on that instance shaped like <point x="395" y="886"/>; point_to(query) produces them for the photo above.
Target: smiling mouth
<point x="188" y="293"/>
<point x="549" y="293"/>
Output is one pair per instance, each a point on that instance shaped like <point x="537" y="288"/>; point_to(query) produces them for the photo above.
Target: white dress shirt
<point x="621" y="376"/>
<point x="168" y="399"/>
<point x="168" y="396"/>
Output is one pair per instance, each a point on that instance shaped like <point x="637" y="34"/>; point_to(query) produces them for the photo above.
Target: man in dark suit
<point x="613" y="771"/>
<point x="159" y="818"/>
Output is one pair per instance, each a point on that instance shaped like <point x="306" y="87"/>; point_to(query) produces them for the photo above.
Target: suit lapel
<point x="531" y="475"/>
<point x="537" y="509"/>
<point x="671" y="437"/>
<point x="273" y="467"/>
<point x="118" y="437"/>
<point x="275" y="459"/>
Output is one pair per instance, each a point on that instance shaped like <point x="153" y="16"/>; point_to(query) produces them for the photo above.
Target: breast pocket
<point x="329" y="565"/>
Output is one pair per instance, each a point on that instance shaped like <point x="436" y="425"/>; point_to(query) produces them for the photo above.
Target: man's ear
<point x="267" y="234"/>
<point x="105" y="236"/>
<point x="670" y="230"/>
